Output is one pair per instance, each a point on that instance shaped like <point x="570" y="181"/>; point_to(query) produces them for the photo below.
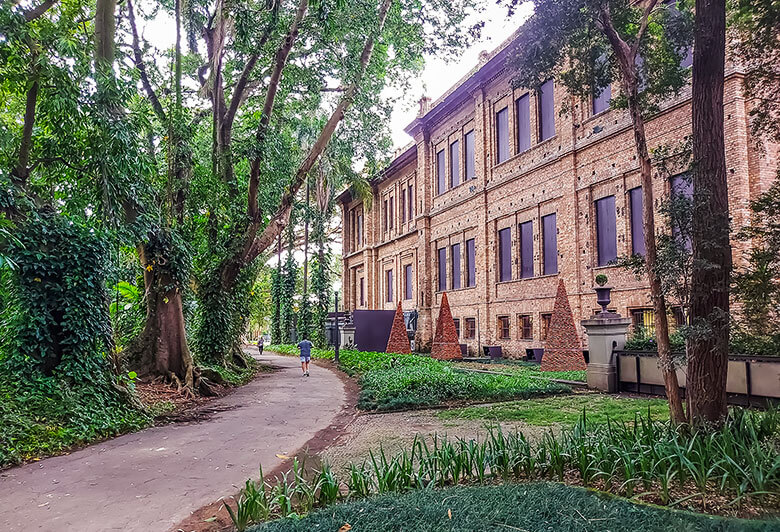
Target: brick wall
<point x="589" y="158"/>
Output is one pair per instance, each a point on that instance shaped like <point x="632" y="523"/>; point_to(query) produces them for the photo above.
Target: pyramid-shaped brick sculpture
<point x="445" y="341"/>
<point x="562" y="350"/>
<point x="399" y="339"/>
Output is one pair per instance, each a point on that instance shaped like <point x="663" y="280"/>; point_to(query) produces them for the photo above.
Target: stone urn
<point x="603" y="298"/>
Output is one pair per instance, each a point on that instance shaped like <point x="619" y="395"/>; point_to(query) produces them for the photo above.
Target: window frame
<point x="471" y="263"/>
<point x="470" y="162"/>
<point x="441" y="253"/>
<point x="550" y="259"/>
<point x="502" y="147"/>
<point x="504" y="251"/>
<point x="523" y="103"/>
<point x="503" y="327"/>
<point x="606" y="230"/>
<point x="546" y="90"/>
<point x="469" y="328"/>
<point x="455" y="267"/>
<point x="525" y="327"/>
<point x="441" y="172"/>
<point x="408" y="282"/>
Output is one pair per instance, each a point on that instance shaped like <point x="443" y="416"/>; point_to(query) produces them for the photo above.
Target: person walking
<point x="305" y="347"/>
<point x="260" y="344"/>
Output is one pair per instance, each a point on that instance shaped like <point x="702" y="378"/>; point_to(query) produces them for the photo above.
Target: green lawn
<point x="522" y="366"/>
<point x="565" y="409"/>
<point x="538" y="507"/>
<point x="391" y="381"/>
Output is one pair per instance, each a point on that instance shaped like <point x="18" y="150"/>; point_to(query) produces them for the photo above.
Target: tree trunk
<point x="709" y="344"/>
<point x="629" y="74"/>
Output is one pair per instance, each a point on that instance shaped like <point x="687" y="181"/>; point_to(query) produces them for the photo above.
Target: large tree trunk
<point x="626" y="56"/>
<point x="708" y="347"/>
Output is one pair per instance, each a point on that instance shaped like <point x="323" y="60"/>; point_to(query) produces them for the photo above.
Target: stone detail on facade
<point x="562" y="350"/>
<point x="445" y="341"/>
<point x="399" y="339"/>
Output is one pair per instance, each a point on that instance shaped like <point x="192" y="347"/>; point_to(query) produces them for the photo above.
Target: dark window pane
<point x="505" y="255"/>
<point x="457" y="327"/>
<point x="360" y="229"/>
<point x="408" y="281"/>
<point x="471" y="327"/>
<point x="601" y="100"/>
<point x="389" y="286"/>
<point x="637" y="221"/>
<point x="391" y="215"/>
<point x="441" y="173"/>
<point x="526" y="327"/>
<point x="526" y="250"/>
<point x="503" y="327"/>
<point x="442" y="269"/>
<point x="454" y="164"/>
<point x="687" y="53"/>
<point x="550" y="247"/>
<point x="362" y="291"/>
<point x="384" y="216"/>
<point x="523" y="111"/>
<point x="682" y="197"/>
<point x="403" y="206"/>
<point x="606" y="230"/>
<point x="411" y="204"/>
<point x="471" y="269"/>
<point x="502" y="135"/>
<point x="471" y="167"/>
<point x="455" y="266"/>
<point x="546" y="111"/>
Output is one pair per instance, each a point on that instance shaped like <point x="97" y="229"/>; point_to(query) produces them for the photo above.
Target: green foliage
<point x="601" y="279"/>
<point x="398" y="381"/>
<point x="565" y="40"/>
<point x="642" y="340"/>
<point x="566" y="410"/>
<point x="276" y="304"/>
<point x="670" y="467"/>
<point x="287" y="289"/>
<point x="535" y="507"/>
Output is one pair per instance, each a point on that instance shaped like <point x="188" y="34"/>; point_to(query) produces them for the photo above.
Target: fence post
<point x="606" y="334"/>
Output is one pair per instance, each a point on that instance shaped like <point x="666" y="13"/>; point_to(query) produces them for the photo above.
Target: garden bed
<point x="402" y="381"/>
<point x="536" y="507"/>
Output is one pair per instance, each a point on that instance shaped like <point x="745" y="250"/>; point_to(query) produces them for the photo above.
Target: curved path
<point x="150" y="480"/>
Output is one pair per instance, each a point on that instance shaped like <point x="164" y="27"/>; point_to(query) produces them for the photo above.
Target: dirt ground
<point x="397" y="430"/>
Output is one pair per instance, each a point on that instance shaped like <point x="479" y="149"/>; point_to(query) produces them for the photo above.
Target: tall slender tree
<point x="708" y="347"/>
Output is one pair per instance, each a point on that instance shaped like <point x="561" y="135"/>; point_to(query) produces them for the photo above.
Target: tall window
<point x="471" y="328"/>
<point x="526" y="250"/>
<point x="636" y="204"/>
<point x="384" y="215"/>
<point x="441" y="173"/>
<point x="601" y="99"/>
<point x="525" y="327"/>
<point x="546" y="320"/>
<point x="682" y="194"/>
<point x="389" y="286"/>
<point x="687" y="58"/>
<point x="391" y="215"/>
<point x="505" y="254"/>
<point x="408" y="281"/>
<point x="442" y="269"/>
<point x="454" y="164"/>
<point x="502" y="135"/>
<point x="455" y="266"/>
<point x="362" y="291"/>
<point x="546" y="111"/>
<point x="550" y="244"/>
<point x="523" y="115"/>
<point x="403" y="206"/>
<point x="411" y="204"/>
<point x="503" y="327"/>
<point x="471" y="167"/>
<point x="360" y="229"/>
<point x="606" y="230"/>
<point x="471" y="267"/>
<point x="457" y="327"/>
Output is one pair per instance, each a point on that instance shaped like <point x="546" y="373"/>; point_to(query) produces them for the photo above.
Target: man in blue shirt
<point x="305" y="347"/>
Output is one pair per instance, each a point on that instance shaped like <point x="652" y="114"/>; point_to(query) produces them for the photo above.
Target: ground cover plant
<point x="537" y="507"/>
<point x="566" y="410"/>
<point x="522" y="366"/>
<point x="397" y="381"/>
<point x="733" y="471"/>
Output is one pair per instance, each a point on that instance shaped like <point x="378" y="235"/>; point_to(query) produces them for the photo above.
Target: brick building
<point x="500" y="196"/>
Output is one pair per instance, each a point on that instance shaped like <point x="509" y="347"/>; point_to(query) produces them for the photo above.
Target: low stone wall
<point x="751" y="380"/>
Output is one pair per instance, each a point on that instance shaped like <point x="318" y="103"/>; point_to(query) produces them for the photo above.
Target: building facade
<point x="500" y="196"/>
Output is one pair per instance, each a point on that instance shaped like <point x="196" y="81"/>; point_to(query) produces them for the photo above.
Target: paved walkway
<point x="150" y="480"/>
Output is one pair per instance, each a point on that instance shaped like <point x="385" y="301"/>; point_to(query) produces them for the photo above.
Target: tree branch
<point x="139" y="64"/>
<point x="280" y="61"/>
<point x="643" y="25"/>
<point x="38" y="10"/>
<point x="281" y="218"/>
<point x="22" y="172"/>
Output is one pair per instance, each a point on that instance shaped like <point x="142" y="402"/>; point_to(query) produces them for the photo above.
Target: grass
<point x="397" y="381"/>
<point x="536" y="507"/>
<point x="565" y="410"/>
